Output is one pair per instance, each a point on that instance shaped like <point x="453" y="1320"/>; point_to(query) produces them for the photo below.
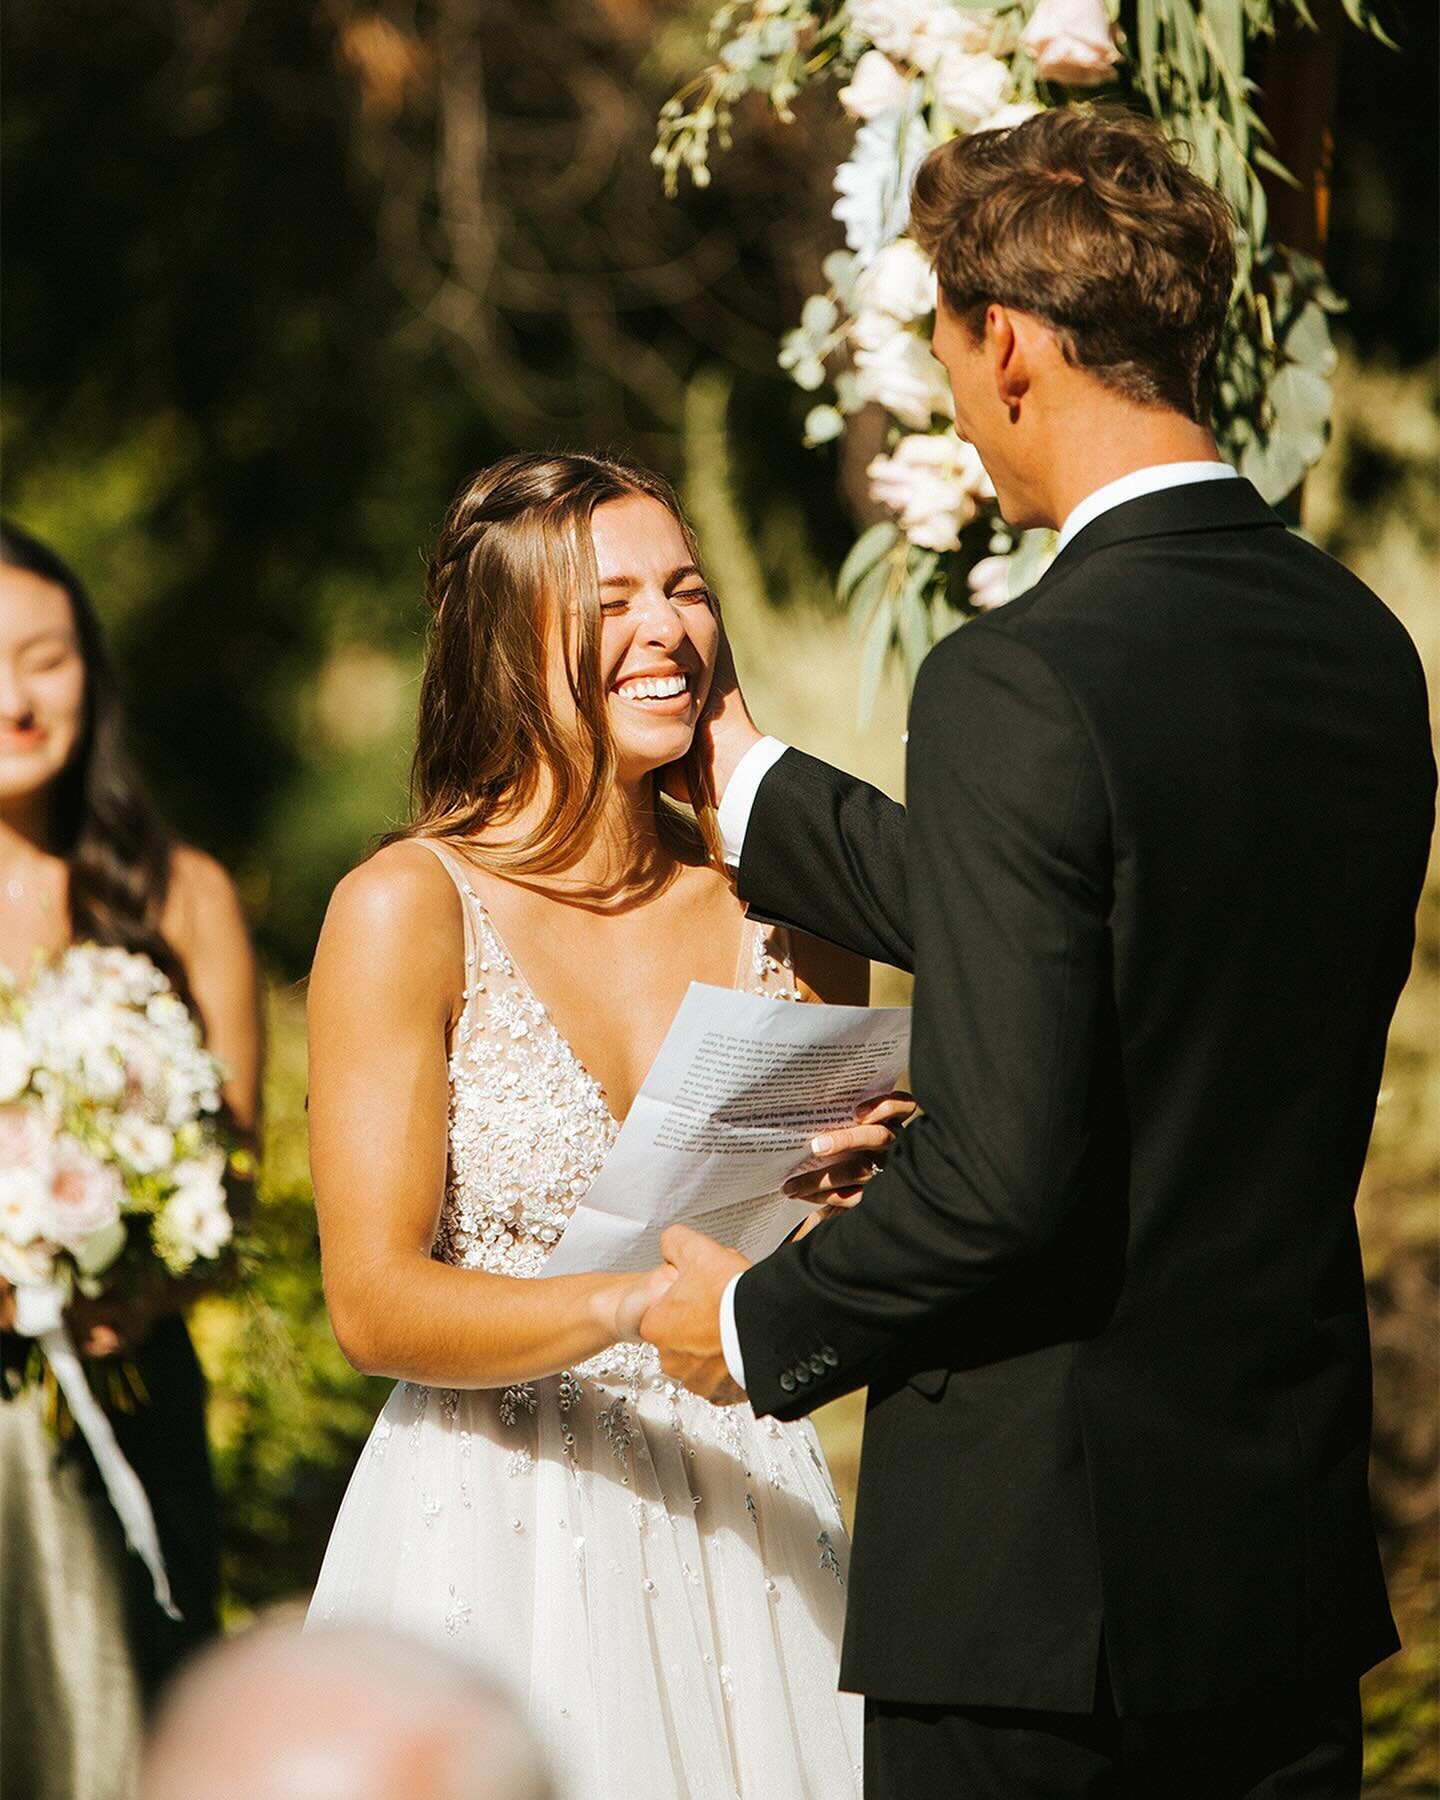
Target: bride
<point x="660" y="1580"/>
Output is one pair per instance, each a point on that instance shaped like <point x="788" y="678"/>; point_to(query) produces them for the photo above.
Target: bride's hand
<point x="849" y="1155"/>
<point x="634" y="1296"/>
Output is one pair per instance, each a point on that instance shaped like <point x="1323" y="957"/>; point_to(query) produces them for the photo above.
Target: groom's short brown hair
<point x="1089" y="220"/>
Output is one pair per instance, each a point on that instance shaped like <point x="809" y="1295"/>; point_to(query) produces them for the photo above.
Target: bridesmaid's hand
<point x="109" y="1326"/>
<point x="851" y="1154"/>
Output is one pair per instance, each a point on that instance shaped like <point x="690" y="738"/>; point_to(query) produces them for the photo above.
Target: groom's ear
<point x="1007" y="351"/>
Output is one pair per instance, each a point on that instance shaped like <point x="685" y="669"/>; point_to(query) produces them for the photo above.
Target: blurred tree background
<point x="280" y="274"/>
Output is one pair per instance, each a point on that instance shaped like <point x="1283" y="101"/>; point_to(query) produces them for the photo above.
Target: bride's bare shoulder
<point x="398" y="909"/>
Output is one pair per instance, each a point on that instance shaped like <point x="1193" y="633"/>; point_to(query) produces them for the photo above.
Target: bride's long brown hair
<point x="514" y="561"/>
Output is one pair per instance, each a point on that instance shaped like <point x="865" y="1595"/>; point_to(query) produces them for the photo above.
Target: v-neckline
<point x="747" y="929"/>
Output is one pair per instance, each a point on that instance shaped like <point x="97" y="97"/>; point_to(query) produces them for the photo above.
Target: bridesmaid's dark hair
<point x="107" y="828"/>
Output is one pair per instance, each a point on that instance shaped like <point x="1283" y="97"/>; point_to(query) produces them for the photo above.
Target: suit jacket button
<point x="829" y="1358"/>
<point x="817" y="1364"/>
<point x="787" y="1381"/>
<point x="802" y="1371"/>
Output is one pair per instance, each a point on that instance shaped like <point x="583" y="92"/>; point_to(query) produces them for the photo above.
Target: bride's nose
<point x="661" y="622"/>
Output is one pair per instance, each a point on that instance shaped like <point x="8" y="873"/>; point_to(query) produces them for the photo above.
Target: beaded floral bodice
<point x="529" y="1124"/>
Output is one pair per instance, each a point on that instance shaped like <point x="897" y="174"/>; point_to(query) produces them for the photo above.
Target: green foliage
<point x="288" y="1414"/>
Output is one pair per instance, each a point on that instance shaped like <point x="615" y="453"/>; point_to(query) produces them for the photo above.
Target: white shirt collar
<point x="1136" y="483"/>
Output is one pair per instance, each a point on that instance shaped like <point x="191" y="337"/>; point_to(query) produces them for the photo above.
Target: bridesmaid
<point x="85" y="858"/>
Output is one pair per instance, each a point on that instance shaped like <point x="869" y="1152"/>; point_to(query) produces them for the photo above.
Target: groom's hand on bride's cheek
<point x="684" y="1324"/>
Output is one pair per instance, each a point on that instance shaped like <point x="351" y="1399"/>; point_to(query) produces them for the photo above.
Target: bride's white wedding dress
<point x="659" y="1581"/>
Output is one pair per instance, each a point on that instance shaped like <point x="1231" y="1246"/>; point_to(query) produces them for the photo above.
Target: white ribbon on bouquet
<point x="39" y="1314"/>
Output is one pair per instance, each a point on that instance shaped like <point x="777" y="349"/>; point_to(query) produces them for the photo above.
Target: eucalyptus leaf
<point x="1274" y="465"/>
<point x="1029" y="561"/>
<point x="100" y="1250"/>
<point x="872" y="658"/>
<point x="865" y="553"/>
<point x="1301" y="400"/>
<point x="1308" y="341"/>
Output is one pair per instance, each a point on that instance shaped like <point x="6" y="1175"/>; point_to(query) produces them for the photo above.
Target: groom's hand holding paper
<point x="726" y="1115"/>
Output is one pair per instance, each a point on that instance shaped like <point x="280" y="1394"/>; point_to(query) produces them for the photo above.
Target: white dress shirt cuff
<point x="729" y="1335"/>
<point x="739" y="800"/>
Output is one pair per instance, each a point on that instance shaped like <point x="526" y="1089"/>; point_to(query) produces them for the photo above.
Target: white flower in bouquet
<point x="905" y="378"/>
<point x="145" y="1145"/>
<point x="1072" y="41"/>
<point x="24" y="1207"/>
<point x="899" y="282"/>
<point x="194" y="1224"/>
<point x="14" y="1062"/>
<point x="876" y="87"/>
<point x="971" y="87"/>
<point x="933" y="483"/>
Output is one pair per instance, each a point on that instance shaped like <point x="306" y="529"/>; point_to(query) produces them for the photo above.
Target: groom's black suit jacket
<point x="1167" y="823"/>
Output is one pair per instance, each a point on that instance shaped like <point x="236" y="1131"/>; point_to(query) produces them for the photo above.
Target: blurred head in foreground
<point x="351" y="1713"/>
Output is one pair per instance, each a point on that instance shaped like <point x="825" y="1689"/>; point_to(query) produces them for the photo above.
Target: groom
<point x="1167" y="822"/>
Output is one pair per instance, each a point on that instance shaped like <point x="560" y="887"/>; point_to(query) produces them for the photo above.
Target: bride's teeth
<point x="655" y="689"/>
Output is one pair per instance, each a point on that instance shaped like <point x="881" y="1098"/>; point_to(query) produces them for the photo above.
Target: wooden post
<point x="1299" y="80"/>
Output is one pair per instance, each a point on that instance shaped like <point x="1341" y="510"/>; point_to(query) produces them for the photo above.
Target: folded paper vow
<point x="737" y="1090"/>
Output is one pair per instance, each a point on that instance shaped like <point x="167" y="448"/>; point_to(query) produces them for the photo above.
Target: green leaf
<point x="1308" y="342"/>
<point x="872" y="658"/>
<point x="98" y="1252"/>
<point x="1275" y="466"/>
<point x="1028" y="562"/>
<point x="865" y="552"/>
<point x="1301" y="400"/>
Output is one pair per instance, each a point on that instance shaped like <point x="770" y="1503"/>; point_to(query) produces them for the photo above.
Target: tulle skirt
<point x="658" y="1581"/>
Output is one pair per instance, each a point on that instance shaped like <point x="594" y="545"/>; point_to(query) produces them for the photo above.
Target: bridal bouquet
<point x="112" y="1164"/>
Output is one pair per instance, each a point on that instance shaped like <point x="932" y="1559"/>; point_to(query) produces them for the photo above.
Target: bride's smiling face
<point x="658" y="632"/>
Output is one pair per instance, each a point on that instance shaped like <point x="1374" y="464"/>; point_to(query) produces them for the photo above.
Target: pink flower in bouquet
<point x="85" y="1196"/>
<point x="1072" y="41"/>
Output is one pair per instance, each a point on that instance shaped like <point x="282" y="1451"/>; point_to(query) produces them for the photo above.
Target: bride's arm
<point x="384" y="993"/>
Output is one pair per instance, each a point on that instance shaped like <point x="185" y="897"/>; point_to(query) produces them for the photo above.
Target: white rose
<point x="921" y="30"/>
<point x="971" y="87"/>
<point x="877" y="86"/>
<point x="15" y="1064"/>
<point x="1072" y="41"/>
<point x="24" y="1205"/>
<point x="989" y="583"/>
<point x="899" y="282"/>
<point x="145" y="1146"/>
<point x="1007" y="117"/>
<point x="28" y="1265"/>
<point x="890" y="25"/>
<point x="870" y="330"/>
<point x="950" y="28"/>
<point x="905" y="378"/>
<point x="933" y="483"/>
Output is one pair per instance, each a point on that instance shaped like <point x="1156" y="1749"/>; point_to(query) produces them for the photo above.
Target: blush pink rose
<point x="85" y="1196"/>
<point x="1072" y="41"/>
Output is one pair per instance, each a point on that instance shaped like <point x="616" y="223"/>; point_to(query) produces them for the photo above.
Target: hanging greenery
<point x="913" y="74"/>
